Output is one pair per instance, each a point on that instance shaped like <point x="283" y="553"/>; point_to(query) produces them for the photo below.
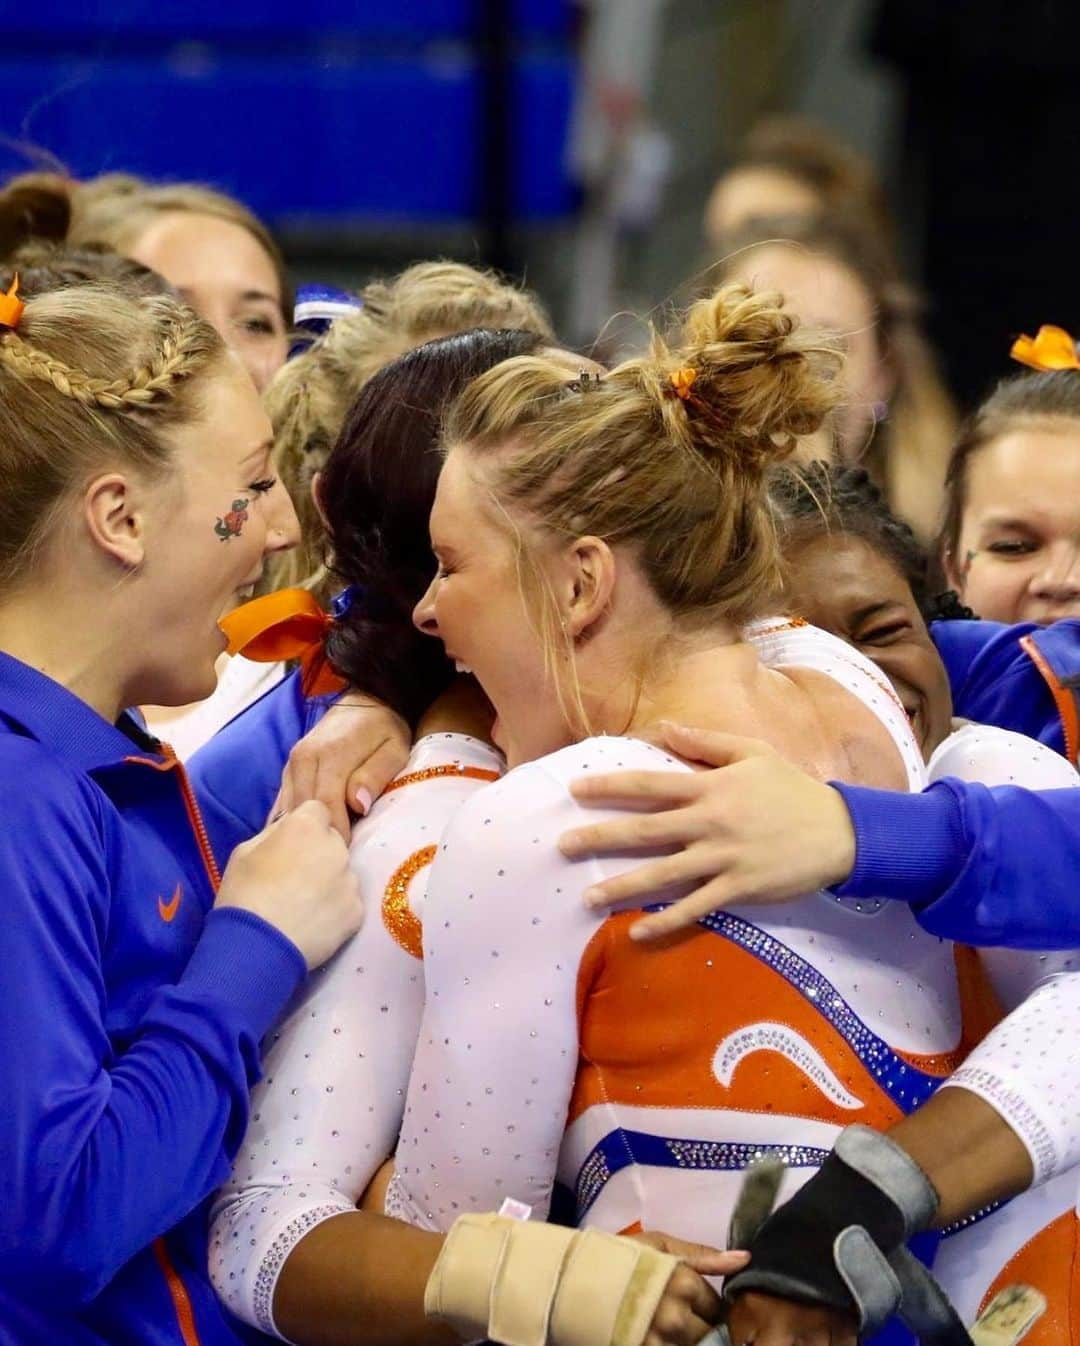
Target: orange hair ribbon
<point x="1053" y="348"/>
<point x="11" y="307"/>
<point x="682" y="382"/>
<point x="285" y="625"/>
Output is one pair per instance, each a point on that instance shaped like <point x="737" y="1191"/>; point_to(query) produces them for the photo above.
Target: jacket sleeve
<point x="106" y="1146"/>
<point x="977" y="864"/>
<point x="995" y="681"/>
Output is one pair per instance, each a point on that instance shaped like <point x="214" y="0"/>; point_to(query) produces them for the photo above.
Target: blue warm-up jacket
<point x="979" y="865"/>
<point x="129" y="1031"/>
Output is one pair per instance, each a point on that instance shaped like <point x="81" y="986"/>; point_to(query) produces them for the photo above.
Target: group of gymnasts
<point x="614" y="876"/>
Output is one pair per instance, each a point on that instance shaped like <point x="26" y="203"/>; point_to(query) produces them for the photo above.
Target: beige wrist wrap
<point x="526" y="1284"/>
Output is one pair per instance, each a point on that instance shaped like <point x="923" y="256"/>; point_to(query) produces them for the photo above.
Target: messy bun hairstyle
<point x="667" y="453"/>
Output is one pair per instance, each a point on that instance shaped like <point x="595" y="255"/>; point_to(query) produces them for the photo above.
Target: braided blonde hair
<point x="309" y="397"/>
<point x="92" y="376"/>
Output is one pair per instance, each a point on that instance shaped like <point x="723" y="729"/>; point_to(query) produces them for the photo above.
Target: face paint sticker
<point x="232" y="525"/>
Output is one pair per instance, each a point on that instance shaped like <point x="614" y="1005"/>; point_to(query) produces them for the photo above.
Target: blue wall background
<point x="335" y="112"/>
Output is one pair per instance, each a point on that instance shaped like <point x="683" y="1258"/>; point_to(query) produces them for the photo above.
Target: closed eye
<point x="1012" y="547"/>
<point x="884" y="634"/>
<point x="263" y="485"/>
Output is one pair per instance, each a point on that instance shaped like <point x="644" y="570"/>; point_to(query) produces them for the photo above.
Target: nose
<point x="424" y="613"/>
<point x="282" y="525"/>
<point x="1058" y="581"/>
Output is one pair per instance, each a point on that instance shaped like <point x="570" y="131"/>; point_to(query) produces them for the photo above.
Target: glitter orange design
<point x="402" y="925"/>
<point x="433" y="772"/>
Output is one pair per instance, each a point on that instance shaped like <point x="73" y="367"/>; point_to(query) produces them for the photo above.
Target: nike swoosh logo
<point x="167" y="910"/>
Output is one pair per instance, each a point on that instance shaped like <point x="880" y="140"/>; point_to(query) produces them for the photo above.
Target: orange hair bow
<point x="682" y="382"/>
<point x="11" y="307"/>
<point x="285" y="625"/>
<point x="1053" y="348"/>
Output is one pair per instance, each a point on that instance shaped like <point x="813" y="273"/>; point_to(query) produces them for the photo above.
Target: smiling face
<point x="477" y="607"/>
<point x="210" y="523"/>
<point x="1018" y="552"/>
<point x="223" y="272"/>
<point x="841" y="584"/>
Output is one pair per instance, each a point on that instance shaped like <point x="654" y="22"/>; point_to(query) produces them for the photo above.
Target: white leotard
<point x="327" y="1112"/>
<point x="1028" y="1069"/>
<point x="645" y="1080"/>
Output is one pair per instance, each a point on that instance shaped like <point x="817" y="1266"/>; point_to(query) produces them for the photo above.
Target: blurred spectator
<point x="792" y="168"/>
<point x="211" y="249"/>
<point x="898" y="419"/>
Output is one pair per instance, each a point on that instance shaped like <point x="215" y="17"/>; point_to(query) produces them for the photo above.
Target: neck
<point x="702" y="679"/>
<point x="51" y="631"/>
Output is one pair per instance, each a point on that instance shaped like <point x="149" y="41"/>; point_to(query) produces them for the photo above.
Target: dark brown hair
<point x="376" y="490"/>
<point x="1033" y="396"/>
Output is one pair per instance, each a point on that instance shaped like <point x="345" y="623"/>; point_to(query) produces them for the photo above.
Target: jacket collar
<point x="34" y="705"/>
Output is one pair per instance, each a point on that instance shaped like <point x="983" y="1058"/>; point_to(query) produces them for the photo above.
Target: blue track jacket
<point x="986" y="865"/>
<point x="129" y="1032"/>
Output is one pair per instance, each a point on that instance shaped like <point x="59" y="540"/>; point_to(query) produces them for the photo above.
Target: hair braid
<point x="94" y="375"/>
<point x="153" y="381"/>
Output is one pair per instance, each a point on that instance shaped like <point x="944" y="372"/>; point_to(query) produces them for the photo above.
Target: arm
<point x="758" y="829"/>
<point x="503" y="936"/>
<point x="328" y="1112"/>
<point x="106" y="1149"/>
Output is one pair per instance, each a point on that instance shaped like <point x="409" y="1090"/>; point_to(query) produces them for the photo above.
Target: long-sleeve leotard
<point x="327" y="1112"/>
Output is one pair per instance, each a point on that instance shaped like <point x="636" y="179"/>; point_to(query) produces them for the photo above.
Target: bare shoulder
<point x="852" y="741"/>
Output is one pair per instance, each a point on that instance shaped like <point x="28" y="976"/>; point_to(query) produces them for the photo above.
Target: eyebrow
<point x="247" y="296"/>
<point x="872" y="610"/>
<point x="1007" y="521"/>
<point x="261" y="452"/>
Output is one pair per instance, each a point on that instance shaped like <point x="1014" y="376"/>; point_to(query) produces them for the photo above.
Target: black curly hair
<point x="816" y="499"/>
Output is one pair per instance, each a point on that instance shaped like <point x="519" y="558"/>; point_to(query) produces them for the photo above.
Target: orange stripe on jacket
<point x="1064" y="699"/>
<point x="185" y="1314"/>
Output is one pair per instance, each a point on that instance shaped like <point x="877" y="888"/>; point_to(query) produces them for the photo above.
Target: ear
<point x="953" y="577"/>
<point x="316" y="497"/>
<point x="113" y="508"/>
<point x="587" y="584"/>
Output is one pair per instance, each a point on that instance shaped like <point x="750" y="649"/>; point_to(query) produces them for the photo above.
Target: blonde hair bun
<point x="757" y="381"/>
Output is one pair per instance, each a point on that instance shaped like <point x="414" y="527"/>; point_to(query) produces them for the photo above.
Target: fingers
<point x="314" y="809"/>
<point x="768" y="1321"/>
<point x="650" y="880"/>
<point x="633" y="832"/>
<point x="661" y="789"/>
<point x="688" y="1310"/>
<point x="372" y="777"/>
<point x="712" y="1262"/>
<point x="713" y="896"/>
<point x="711" y="747"/>
<point x="701" y="1257"/>
<point x="703" y="1300"/>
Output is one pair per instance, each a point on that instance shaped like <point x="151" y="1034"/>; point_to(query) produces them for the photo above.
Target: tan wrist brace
<point x="533" y="1284"/>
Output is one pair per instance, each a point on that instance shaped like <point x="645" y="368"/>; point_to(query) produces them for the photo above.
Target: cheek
<point x="993" y="588"/>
